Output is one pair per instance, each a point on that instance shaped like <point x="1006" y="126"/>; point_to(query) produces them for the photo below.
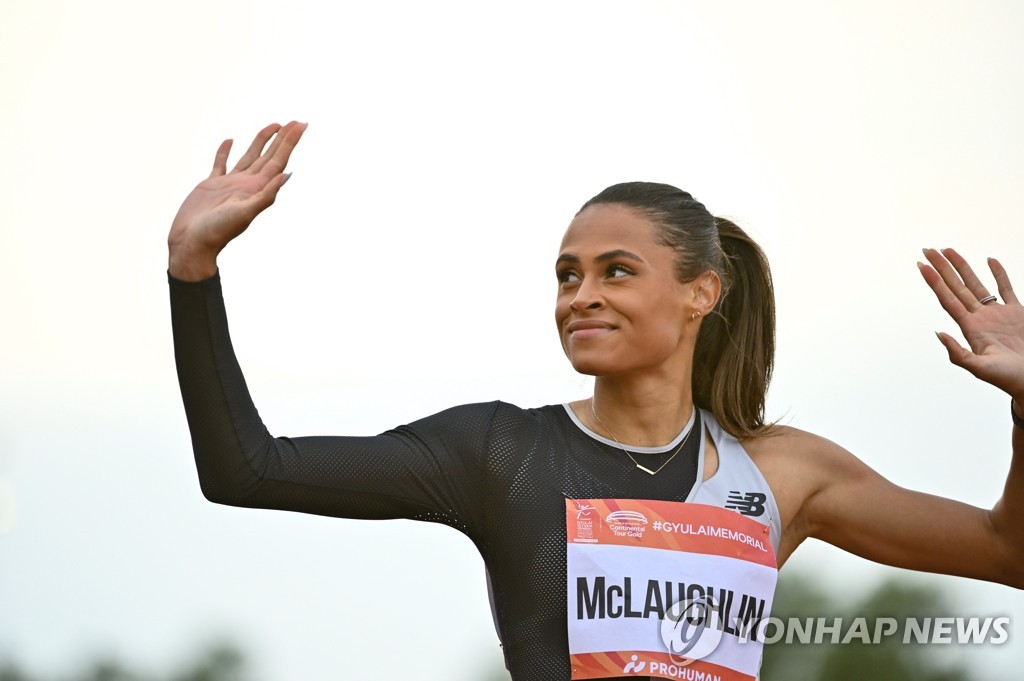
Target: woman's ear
<point x="707" y="288"/>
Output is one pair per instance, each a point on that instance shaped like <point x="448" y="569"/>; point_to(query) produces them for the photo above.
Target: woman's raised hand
<point x="223" y="205"/>
<point x="994" y="330"/>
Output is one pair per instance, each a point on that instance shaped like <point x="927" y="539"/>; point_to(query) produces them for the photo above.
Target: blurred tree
<point x="10" y="672"/>
<point x="108" y="669"/>
<point x="888" y="660"/>
<point x="220" y="662"/>
<point x="799" y="598"/>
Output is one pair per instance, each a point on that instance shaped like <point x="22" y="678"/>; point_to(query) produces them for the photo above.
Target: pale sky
<point x="408" y="266"/>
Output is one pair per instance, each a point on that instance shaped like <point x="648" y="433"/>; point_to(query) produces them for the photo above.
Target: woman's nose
<point x="588" y="296"/>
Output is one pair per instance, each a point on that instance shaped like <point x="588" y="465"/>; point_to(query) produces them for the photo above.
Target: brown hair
<point x="735" y="353"/>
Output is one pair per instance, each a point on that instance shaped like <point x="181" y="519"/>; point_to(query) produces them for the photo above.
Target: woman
<point x="601" y="520"/>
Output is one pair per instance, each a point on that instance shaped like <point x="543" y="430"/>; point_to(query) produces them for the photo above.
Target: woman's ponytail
<point x="735" y="351"/>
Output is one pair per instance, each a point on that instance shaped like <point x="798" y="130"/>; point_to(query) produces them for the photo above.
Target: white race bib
<point x="667" y="589"/>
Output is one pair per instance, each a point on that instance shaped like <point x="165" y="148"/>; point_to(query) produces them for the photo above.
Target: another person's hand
<point x="994" y="330"/>
<point x="223" y="205"/>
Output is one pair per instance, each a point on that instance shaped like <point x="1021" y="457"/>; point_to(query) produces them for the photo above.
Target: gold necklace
<point x="643" y="468"/>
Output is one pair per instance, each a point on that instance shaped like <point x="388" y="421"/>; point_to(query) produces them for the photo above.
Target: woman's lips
<point x="585" y="330"/>
<point x="589" y="333"/>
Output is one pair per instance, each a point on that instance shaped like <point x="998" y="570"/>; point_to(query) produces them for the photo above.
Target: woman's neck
<point x="643" y="413"/>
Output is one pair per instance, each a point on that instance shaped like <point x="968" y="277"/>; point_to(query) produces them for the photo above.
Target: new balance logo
<point x="751" y="503"/>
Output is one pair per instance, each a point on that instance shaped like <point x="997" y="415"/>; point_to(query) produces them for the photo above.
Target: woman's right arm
<point x="428" y="470"/>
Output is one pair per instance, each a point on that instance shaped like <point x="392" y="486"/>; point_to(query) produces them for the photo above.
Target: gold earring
<point x="694" y="315"/>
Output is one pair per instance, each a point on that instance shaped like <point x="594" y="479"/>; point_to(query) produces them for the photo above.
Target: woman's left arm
<point x="851" y="506"/>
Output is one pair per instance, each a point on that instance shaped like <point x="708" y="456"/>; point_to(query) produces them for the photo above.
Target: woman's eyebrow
<point x="610" y="255"/>
<point x="618" y="253"/>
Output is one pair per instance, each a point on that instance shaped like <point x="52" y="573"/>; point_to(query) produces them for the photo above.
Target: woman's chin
<point x="592" y="367"/>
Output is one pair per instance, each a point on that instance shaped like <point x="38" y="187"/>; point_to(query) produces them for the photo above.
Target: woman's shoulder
<point x="489" y="417"/>
<point x="774" y="442"/>
<point x="798" y="466"/>
<point x="783" y="441"/>
<point x="802" y="461"/>
<point x="508" y="410"/>
<point x="493" y="408"/>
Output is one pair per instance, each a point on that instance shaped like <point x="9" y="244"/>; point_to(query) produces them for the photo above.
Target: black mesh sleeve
<point x="428" y="470"/>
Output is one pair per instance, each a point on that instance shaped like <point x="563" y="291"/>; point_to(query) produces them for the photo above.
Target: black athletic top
<point x="495" y="472"/>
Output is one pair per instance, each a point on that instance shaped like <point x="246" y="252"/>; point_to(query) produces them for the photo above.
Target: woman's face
<point x="620" y="306"/>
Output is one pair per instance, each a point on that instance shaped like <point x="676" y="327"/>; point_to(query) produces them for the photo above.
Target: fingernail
<point x="939" y="336"/>
<point x="287" y="176"/>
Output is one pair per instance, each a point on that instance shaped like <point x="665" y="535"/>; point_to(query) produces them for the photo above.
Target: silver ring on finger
<point x="988" y="299"/>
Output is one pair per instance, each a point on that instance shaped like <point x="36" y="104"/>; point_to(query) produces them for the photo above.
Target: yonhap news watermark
<point x="694" y="628"/>
<point x="876" y="630"/>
